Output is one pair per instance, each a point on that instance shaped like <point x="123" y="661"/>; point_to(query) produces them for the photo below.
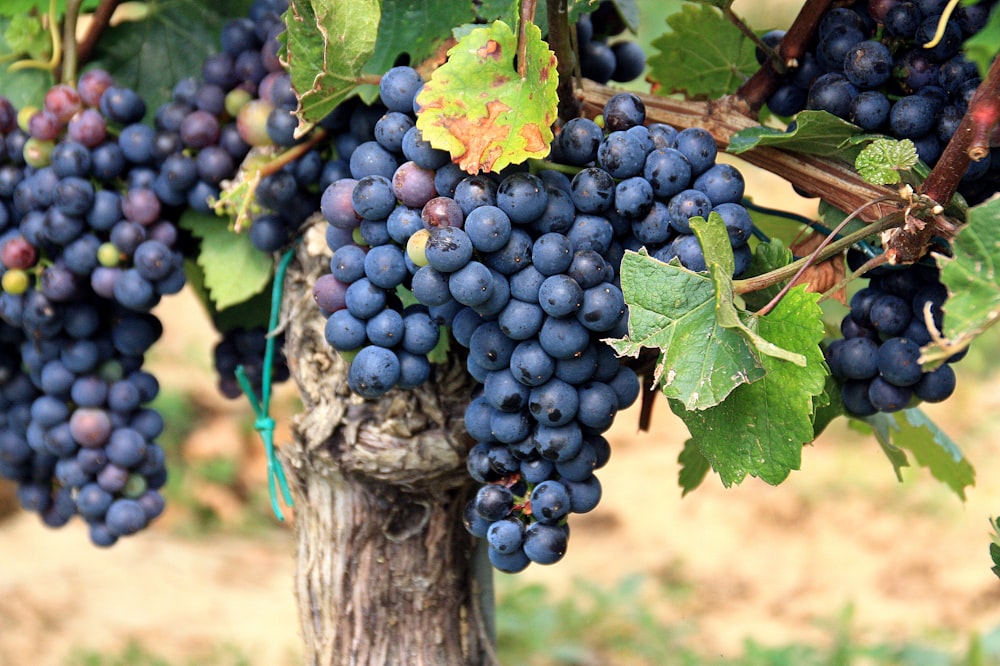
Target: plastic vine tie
<point x="264" y="424"/>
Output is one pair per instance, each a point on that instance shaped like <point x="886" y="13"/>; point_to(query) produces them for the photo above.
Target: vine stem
<point x="69" y="59"/>
<point x="527" y="16"/>
<point x="288" y="156"/>
<point x="874" y="262"/>
<point x="812" y="258"/>
<point x="970" y="141"/>
<point x="99" y="21"/>
<point x="836" y="247"/>
<point x="561" y="43"/>
<point x="765" y="80"/>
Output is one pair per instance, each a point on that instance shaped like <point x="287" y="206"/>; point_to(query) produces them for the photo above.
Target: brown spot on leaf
<point x="822" y="276"/>
<point x="491" y="49"/>
<point x="533" y="140"/>
<point x="483" y="138"/>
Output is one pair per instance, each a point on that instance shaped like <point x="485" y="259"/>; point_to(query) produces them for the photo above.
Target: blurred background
<point x="842" y="564"/>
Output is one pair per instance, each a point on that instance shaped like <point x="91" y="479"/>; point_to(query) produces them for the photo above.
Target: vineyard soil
<point x="775" y="564"/>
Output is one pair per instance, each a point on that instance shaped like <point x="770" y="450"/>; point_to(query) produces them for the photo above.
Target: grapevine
<point x="497" y="250"/>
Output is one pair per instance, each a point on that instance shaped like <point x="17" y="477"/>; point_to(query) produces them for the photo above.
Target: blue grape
<point x="553" y="403"/>
<point x="373" y="371"/>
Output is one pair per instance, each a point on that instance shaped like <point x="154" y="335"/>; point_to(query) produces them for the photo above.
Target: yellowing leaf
<point x="478" y="108"/>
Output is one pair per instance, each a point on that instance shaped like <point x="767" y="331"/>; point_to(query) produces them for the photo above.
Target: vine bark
<point x="384" y="565"/>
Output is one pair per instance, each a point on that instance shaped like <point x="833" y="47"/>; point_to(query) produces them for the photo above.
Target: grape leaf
<point x="26" y="35"/>
<point x="416" y="28"/>
<point x="21" y="7"/>
<point x="880" y="162"/>
<point x="704" y="55"/>
<point x="714" y="240"/>
<point x="234" y="269"/>
<point x="981" y="48"/>
<point x="828" y="406"/>
<point x="251" y="313"/>
<point x="672" y="310"/>
<point x="694" y="467"/>
<point x="760" y="428"/>
<point x="26" y="87"/>
<point x="766" y="257"/>
<point x="972" y="277"/>
<point x="628" y="10"/>
<point x="815" y="133"/>
<point x="480" y="110"/>
<point x="881" y="425"/>
<point x="913" y="431"/>
<point x="169" y="44"/>
<point x="327" y="44"/>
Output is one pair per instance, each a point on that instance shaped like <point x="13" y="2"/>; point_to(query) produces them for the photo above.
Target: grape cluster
<point x="522" y="269"/>
<point x="877" y="360"/>
<point x="243" y="101"/>
<point x="868" y="65"/>
<point x="87" y="248"/>
<point x="621" y="61"/>
<point x="246" y="347"/>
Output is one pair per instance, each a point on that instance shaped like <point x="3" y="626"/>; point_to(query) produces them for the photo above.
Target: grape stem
<point x="99" y="21"/>
<point x="970" y="142"/>
<point x="557" y="13"/>
<point x="871" y="263"/>
<point x="793" y="269"/>
<point x="736" y="20"/>
<point x="794" y="44"/>
<point x="536" y="165"/>
<point x="527" y="16"/>
<point x="69" y="59"/>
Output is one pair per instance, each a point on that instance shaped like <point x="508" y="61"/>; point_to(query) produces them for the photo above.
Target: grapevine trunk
<point x="384" y="565"/>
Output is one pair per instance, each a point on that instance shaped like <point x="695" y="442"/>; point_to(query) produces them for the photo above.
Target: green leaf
<point x="327" y="44"/>
<point x="760" y="428"/>
<point x="815" y="133"/>
<point x="672" y="310"/>
<point x="972" y="277"/>
<point x="416" y="28"/>
<point x="981" y="48"/>
<point x="251" y="313"/>
<point x="766" y="258"/>
<point x="20" y="7"/>
<point x="171" y="43"/>
<point x="234" y="269"/>
<point x="828" y="406"/>
<point x="26" y="34"/>
<point x="628" y="10"/>
<point x="714" y="240"/>
<point x="932" y="448"/>
<point x="703" y="56"/>
<point x="882" y="425"/>
<point x="26" y="87"/>
<point x="478" y="108"/>
<point x="880" y="162"/>
<point x="694" y="467"/>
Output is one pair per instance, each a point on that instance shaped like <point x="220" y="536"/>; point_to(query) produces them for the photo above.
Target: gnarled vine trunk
<point x="386" y="571"/>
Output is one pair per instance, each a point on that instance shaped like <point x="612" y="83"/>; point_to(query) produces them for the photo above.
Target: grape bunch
<point x="877" y="360"/>
<point x="244" y="101"/>
<point x="87" y="249"/>
<point x="621" y="61"/>
<point x="245" y="347"/>
<point x="869" y="66"/>
<point x="521" y="269"/>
